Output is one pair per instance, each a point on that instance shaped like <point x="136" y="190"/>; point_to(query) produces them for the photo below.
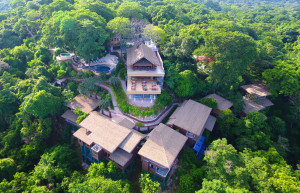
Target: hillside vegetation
<point x="243" y="41"/>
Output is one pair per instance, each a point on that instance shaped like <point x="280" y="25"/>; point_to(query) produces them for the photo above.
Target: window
<point x="190" y="135"/>
<point x="151" y="166"/>
<point x="162" y="172"/>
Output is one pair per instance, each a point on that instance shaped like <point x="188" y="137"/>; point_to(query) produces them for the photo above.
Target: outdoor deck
<point x="143" y="86"/>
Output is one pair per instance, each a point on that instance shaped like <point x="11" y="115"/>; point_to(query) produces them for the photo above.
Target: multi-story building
<point x="161" y="149"/>
<point x="111" y="139"/>
<point x="145" y="73"/>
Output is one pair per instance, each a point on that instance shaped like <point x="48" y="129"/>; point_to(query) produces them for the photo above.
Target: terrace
<point x="145" y="71"/>
<point x="143" y="86"/>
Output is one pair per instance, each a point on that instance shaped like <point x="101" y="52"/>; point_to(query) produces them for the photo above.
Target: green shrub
<point x="123" y="73"/>
<point x="61" y="73"/>
<point x="139" y="124"/>
<point x="82" y="115"/>
<point x="164" y="98"/>
<point x="72" y="86"/>
<point x="73" y="73"/>
<point x="88" y="74"/>
<point x="186" y="184"/>
<point x="210" y="102"/>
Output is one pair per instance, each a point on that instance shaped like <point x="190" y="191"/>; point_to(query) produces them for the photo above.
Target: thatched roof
<point x="223" y="103"/>
<point x="163" y="145"/>
<point x="121" y="157"/>
<point x="135" y="54"/>
<point x="70" y="115"/>
<point x="251" y="106"/>
<point x="258" y="89"/>
<point x="123" y="122"/>
<point x="191" y="116"/>
<point x="83" y="135"/>
<point x="110" y="135"/>
<point x="86" y="104"/>
<point x="3" y="64"/>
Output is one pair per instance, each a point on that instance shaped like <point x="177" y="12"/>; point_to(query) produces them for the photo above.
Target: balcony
<point x="143" y="86"/>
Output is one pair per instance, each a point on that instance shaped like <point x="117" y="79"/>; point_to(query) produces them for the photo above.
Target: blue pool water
<point x="99" y="68"/>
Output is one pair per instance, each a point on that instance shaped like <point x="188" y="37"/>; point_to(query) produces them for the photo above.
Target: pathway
<point x="118" y="112"/>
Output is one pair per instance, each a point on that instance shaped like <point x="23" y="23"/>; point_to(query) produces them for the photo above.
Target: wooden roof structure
<point x="86" y="104"/>
<point x="251" y="106"/>
<point x="70" y="115"/>
<point x="123" y="122"/>
<point x="163" y="145"/>
<point x="108" y="134"/>
<point x="137" y="53"/>
<point x="223" y="103"/>
<point x="258" y="89"/>
<point x="121" y="157"/>
<point x="191" y="116"/>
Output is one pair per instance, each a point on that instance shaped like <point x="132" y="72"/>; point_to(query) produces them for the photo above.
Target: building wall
<point x="190" y="141"/>
<point x="146" y="165"/>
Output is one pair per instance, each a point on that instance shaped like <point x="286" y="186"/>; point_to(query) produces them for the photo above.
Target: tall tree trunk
<point x="30" y="33"/>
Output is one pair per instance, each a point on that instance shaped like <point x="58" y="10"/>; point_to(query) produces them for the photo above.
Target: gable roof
<point x="86" y="104"/>
<point x="70" y="115"/>
<point x="251" y="106"/>
<point x="258" y="89"/>
<point x="110" y="135"/>
<point x="223" y="103"/>
<point x="163" y="145"/>
<point x="123" y="121"/>
<point x="83" y="135"/>
<point x="134" y="54"/>
<point x="191" y="116"/>
<point x="121" y="157"/>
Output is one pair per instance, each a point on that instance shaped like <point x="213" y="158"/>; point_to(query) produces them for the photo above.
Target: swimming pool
<point x="99" y="68"/>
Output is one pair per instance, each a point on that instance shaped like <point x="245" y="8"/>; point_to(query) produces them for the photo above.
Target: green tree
<point x="7" y="168"/>
<point x="283" y="79"/>
<point x="147" y="185"/>
<point x="231" y="52"/>
<point x="42" y="104"/>
<point x="210" y="102"/>
<point x="131" y="10"/>
<point x="188" y="84"/>
<point x="114" y="81"/>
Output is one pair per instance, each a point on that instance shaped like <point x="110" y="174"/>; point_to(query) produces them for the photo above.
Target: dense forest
<point x="247" y="41"/>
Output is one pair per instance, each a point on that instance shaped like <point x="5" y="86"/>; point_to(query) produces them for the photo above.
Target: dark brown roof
<point x="136" y="54"/>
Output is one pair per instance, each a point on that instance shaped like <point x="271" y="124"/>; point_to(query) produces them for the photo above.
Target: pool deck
<point x="110" y="61"/>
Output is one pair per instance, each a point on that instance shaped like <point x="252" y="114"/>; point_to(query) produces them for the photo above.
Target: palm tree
<point x="104" y="104"/>
<point x="114" y="81"/>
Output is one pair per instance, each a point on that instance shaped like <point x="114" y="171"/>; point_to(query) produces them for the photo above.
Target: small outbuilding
<point x="256" y="97"/>
<point x="223" y="103"/>
<point x="86" y="104"/>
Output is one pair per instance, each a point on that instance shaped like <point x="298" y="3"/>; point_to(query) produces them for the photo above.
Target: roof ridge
<point x="163" y="145"/>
